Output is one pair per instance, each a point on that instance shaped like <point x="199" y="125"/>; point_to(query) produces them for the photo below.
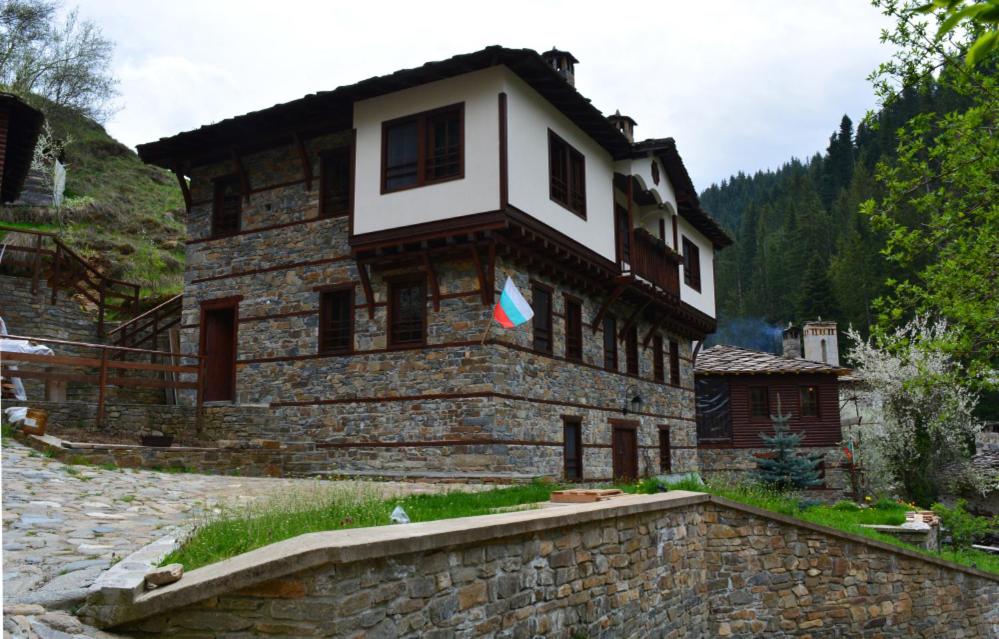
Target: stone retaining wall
<point x="734" y="464"/>
<point x="673" y="565"/>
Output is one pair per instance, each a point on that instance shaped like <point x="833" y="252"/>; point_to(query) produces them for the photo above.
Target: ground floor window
<point x="665" y="461"/>
<point x="572" y="445"/>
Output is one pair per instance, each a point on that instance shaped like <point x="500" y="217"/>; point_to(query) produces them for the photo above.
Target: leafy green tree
<point x="785" y="468"/>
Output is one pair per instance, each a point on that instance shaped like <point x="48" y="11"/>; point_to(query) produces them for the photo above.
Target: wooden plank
<point x="102" y="385"/>
<point x="6" y="371"/>
<point x="185" y="189"/>
<point x="52" y="360"/>
<point x="46" y="340"/>
<point x="139" y="382"/>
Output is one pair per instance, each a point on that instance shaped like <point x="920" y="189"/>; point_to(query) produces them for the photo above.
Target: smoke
<point x="747" y="332"/>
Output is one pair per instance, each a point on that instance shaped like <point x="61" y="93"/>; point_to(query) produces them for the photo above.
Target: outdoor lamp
<point x="635" y="401"/>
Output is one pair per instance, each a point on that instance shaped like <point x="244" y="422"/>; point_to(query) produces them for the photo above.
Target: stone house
<point x="345" y="251"/>
<point x="738" y="389"/>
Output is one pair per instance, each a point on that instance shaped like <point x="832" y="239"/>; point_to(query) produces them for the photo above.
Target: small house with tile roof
<point x="738" y="389"/>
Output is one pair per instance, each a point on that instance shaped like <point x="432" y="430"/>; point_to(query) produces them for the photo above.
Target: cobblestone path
<point x="65" y="524"/>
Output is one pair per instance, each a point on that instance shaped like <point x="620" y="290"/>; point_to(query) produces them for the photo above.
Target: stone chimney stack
<point x="624" y="124"/>
<point x="563" y="62"/>
<point x="821" y="342"/>
<point x="792" y="341"/>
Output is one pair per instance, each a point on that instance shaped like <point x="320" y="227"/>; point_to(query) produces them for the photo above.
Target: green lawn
<point x="329" y="506"/>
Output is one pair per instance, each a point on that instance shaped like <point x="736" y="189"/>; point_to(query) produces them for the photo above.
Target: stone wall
<point x="454" y="406"/>
<point x="672" y="565"/>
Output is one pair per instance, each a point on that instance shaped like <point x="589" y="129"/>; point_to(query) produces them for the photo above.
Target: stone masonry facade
<point x="738" y="465"/>
<point x="453" y="406"/>
<point x="699" y="568"/>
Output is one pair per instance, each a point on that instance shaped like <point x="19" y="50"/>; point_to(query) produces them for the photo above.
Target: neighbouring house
<point x="346" y="249"/>
<point x="20" y="125"/>
<point x="738" y="389"/>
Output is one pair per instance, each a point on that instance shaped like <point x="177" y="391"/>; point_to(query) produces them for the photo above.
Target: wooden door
<point x="218" y="345"/>
<point x="622" y="230"/>
<point x="624" y="448"/>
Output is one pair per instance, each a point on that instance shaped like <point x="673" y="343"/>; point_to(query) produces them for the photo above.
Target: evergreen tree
<point x="816" y="298"/>
<point x="785" y="469"/>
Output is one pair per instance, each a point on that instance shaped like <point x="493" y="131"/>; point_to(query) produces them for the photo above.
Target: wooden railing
<point x="63" y="268"/>
<point x="653" y="260"/>
<point x="148" y="326"/>
<point x="103" y="369"/>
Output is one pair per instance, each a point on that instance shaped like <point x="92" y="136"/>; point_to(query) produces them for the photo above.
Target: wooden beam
<point x="652" y="331"/>
<point x="435" y="289"/>
<point x="303" y="155"/>
<point x="244" y="180"/>
<point x="491" y="273"/>
<point x="362" y="271"/>
<point x="503" y="173"/>
<point x="632" y="318"/>
<point x="185" y="189"/>
<point x="480" y="273"/>
<point x="610" y="300"/>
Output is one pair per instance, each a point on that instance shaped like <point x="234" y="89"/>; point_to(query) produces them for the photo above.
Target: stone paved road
<point x="63" y="525"/>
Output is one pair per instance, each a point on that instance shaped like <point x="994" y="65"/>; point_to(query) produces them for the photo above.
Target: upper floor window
<point x="335" y="182"/>
<point x="610" y="343"/>
<point x="423" y="149"/>
<point x="227" y="207"/>
<point x="691" y="265"/>
<point x="566" y="175"/>
<point x="674" y="363"/>
<point x="631" y="350"/>
<point x="809" y="401"/>
<point x="573" y="329"/>
<point x="407" y="311"/>
<point x="759" y="401"/>
<point x="658" y="359"/>
<point x="542" y="298"/>
<point x="336" y="320"/>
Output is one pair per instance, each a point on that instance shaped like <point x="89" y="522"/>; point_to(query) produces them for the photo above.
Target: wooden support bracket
<point x="606" y="305"/>
<point x="303" y="155"/>
<point x="244" y="180"/>
<point x="480" y="273"/>
<point x="632" y="318"/>
<point x="435" y="288"/>
<point x="362" y="271"/>
<point x="185" y="189"/>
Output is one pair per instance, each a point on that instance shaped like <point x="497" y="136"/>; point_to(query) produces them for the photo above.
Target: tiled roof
<point x="734" y="360"/>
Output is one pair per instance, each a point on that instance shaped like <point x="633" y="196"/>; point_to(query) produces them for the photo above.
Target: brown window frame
<point x="610" y="354"/>
<point x="325" y="312"/>
<point x="631" y="365"/>
<point x="395" y="285"/>
<point x="572" y="422"/>
<point x="573" y="164"/>
<point x="219" y="185"/>
<point x="345" y="155"/>
<point x="658" y="359"/>
<point x="542" y="321"/>
<point x="802" y="402"/>
<point x="573" y="328"/>
<point x="754" y="404"/>
<point x="674" y="363"/>
<point x="691" y="264"/>
<point x="422" y="147"/>
<point x="665" y="451"/>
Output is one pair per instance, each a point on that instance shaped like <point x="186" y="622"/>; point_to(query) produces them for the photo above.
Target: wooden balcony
<point x="653" y="260"/>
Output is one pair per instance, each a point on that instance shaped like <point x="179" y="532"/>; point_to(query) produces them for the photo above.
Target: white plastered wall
<point x="476" y="192"/>
<point x="529" y="116"/>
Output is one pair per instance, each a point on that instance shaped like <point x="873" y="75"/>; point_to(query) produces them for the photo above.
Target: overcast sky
<point x="741" y="85"/>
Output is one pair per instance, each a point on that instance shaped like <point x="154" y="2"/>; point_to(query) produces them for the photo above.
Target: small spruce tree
<point x="786" y="469"/>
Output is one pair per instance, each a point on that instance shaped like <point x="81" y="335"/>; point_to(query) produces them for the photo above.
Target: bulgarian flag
<point x="512" y="309"/>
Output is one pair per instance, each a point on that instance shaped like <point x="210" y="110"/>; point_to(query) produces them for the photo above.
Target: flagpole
<point x="485" y="333"/>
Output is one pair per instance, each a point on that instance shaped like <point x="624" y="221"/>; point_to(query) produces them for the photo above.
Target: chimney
<point x="792" y="341"/>
<point x="624" y="124"/>
<point x="821" y="342"/>
<point x="563" y="62"/>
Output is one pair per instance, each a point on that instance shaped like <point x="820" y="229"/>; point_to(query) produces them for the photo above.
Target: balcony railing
<point x="653" y="260"/>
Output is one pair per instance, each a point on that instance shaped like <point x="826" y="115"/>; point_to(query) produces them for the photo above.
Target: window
<point x="227" y="207"/>
<point x="567" y="175"/>
<point x="665" y="462"/>
<point x="541" y="297"/>
<point x="662" y="229"/>
<point x="336" y="320"/>
<point x="610" y="343"/>
<point x="407" y="312"/>
<point x="691" y="265"/>
<point x="423" y="149"/>
<point x="809" y="401"/>
<point x="714" y="415"/>
<point x="335" y="182"/>
<point x="759" y="401"/>
<point x="674" y="363"/>
<point x="655" y="172"/>
<point x="572" y="447"/>
<point x="631" y="350"/>
<point x="573" y="329"/>
<point x="658" y="359"/>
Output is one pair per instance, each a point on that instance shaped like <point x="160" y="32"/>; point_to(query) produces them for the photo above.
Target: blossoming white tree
<point x="924" y="433"/>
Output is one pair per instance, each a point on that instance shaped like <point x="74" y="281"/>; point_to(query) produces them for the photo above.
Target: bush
<point x="846" y="505"/>
<point x="964" y="528"/>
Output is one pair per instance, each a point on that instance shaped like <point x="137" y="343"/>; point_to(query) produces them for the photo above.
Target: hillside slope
<point x="126" y="216"/>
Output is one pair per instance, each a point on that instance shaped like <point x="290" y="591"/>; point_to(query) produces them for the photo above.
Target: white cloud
<point x="740" y="85"/>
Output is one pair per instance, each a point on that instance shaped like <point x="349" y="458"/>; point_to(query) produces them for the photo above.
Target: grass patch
<point x="845" y="516"/>
<point x="325" y="506"/>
